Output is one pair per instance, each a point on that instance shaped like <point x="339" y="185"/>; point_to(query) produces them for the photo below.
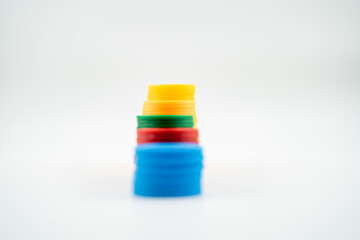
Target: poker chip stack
<point x="168" y="157"/>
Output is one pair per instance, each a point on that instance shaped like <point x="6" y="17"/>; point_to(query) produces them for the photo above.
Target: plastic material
<point x="168" y="159"/>
<point x="151" y="135"/>
<point x="168" y="169"/>
<point x="167" y="180"/>
<point x="173" y="107"/>
<point x="169" y="108"/>
<point x="165" y="121"/>
<point x="171" y="92"/>
<point x="169" y="172"/>
<point x="170" y="191"/>
<point x="168" y="155"/>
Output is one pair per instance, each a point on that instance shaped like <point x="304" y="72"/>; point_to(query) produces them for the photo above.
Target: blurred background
<point x="278" y="104"/>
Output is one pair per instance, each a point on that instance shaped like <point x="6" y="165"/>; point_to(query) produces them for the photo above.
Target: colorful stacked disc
<point x="165" y="121"/>
<point x="152" y="135"/>
<point x="171" y="99"/>
<point x="169" y="108"/>
<point x="177" y="92"/>
<point x="168" y="158"/>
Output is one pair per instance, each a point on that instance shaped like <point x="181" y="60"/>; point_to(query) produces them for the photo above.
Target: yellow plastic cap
<point x="169" y="108"/>
<point x="171" y="92"/>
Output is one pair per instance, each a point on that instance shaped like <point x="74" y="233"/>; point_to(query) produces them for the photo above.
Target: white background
<point x="278" y="104"/>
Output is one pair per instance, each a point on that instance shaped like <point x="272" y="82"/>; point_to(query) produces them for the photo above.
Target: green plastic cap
<point x="165" y="121"/>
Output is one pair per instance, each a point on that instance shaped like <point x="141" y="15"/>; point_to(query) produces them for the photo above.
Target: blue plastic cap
<point x="168" y="169"/>
<point x="171" y="191"/>
<point x="168" y="154"/>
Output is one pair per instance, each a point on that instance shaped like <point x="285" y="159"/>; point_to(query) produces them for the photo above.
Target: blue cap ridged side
<point x="168" y="169"/>
<point x="168" y="154"/>
<point x="170" y="181"/>
<point x="156" y="191"/>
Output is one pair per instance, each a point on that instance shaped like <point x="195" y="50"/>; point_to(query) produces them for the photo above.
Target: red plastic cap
<point x="152" y="135"/>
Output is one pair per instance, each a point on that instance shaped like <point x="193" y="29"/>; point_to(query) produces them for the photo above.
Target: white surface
<point x="243" y="201"/>
<point x="278" y="102"/>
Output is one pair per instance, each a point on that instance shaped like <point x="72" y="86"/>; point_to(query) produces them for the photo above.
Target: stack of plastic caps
<point x="168" y="157"/>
